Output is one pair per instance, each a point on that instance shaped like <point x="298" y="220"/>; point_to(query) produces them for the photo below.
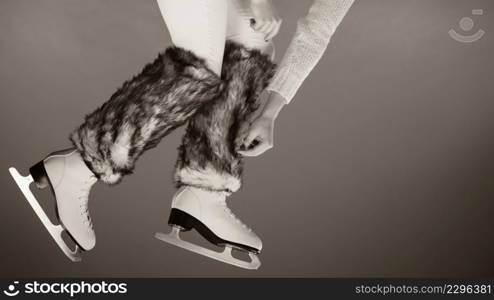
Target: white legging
<point x="202" y="26"/>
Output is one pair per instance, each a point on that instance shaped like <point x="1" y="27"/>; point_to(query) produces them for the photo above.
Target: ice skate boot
<point x="70" y="181"/>
<point x="207" y="213"/>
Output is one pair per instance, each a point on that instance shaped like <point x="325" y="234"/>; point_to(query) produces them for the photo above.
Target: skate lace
<point x="84" y="197"/>
<point x="233" y="216"/>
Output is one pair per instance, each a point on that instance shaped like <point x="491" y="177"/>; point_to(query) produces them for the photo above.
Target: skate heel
<point x="38" y="172"/>
<point x="180" y="219"/>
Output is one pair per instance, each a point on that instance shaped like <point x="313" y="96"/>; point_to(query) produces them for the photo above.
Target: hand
<point x="257" y="137"/>
<point x="266" y="19"/>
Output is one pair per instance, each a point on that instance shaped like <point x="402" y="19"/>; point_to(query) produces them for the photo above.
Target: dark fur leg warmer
<point x="207" y="156"/>
<point x="146" y="108"/>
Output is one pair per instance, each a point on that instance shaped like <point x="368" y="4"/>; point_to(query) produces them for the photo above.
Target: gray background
<point x="383" y="163"/>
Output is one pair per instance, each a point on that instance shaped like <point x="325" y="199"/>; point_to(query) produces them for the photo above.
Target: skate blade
<point x="226" y="256"/>
<point x="55" y="230"/>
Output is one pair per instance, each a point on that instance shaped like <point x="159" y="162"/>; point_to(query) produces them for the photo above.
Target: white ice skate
<point x="207" y="213"/>
<point x="70" y="181"/>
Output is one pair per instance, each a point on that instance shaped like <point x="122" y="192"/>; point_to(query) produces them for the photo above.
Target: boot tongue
<point x="77" y="163"/>
<point x="220" y="196"/>
<point x="92" y="179"/>
<point x="215" y="196"/>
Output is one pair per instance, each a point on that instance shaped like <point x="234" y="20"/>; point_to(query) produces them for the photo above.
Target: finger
<point x="268" y="30"/>
<point x="256" y="151"/>
<point x="239" y="141"/>
<point x="256" y="24"/>
<point x="265" y="27"/>
<point x="243" y="153"/>
<point x="274" y="31"/>
<point x="251" y="118"/>
<point x="242" y="132"/>
<point x="251" y="136"/>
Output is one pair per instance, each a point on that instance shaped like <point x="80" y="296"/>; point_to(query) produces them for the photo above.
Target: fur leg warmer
<point x="139" y="114"/>
<point x="207" y="157"/>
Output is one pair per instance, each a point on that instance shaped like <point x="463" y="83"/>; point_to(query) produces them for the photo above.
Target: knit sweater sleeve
<point x="311" y="39"/>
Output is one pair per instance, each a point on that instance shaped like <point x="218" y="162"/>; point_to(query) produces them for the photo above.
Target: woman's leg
<point x="138" y="115"/>
<point x="239" y="29"/>
<point x="207" y="156"/>
<point x="208" y="166"/>
<point x="163" y="96"/>
<point x="198" y="26"/>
